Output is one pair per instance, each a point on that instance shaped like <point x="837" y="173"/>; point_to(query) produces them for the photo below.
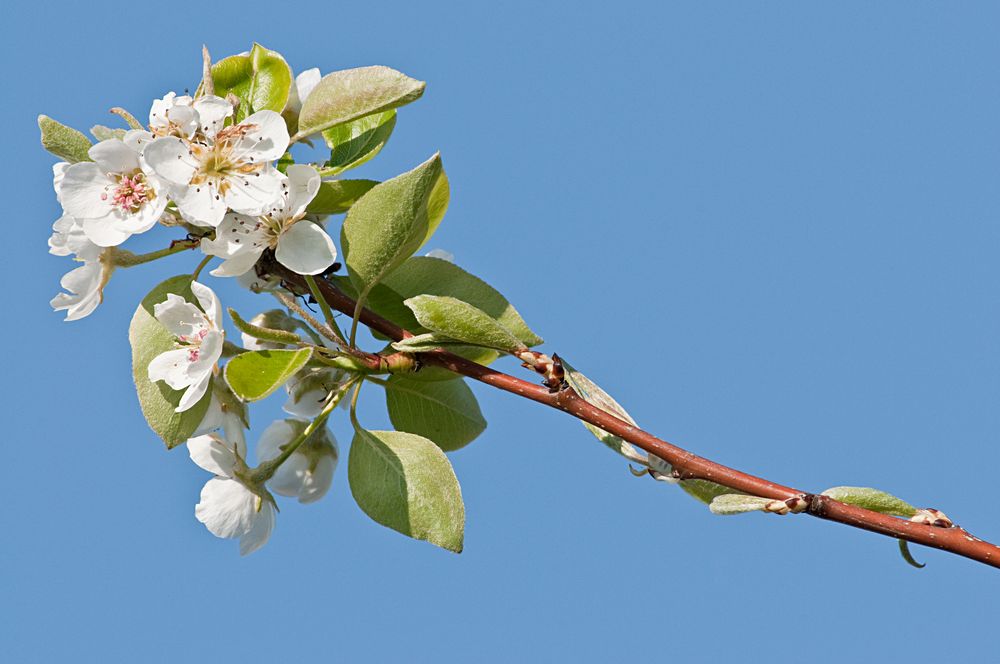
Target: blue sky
<point x="770" y="230"/>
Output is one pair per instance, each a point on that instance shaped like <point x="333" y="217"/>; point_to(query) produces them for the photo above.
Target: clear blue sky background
<point x="771" y="230"/>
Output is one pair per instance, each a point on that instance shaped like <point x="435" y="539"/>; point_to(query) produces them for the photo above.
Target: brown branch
<point x="952" y="539"/>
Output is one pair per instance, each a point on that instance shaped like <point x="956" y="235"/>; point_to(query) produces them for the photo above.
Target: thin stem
<point x="201" y="265"/>
<point x="685" y="464"/>
<point x="291" y="304"/>
<point x="355" y="316"/>
<point x="354" y="406"/>
<point x="327" y="313"/>
<point x="125" y="258"/>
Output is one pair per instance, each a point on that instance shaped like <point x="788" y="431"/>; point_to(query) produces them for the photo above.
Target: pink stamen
<point x="132" y="193"/>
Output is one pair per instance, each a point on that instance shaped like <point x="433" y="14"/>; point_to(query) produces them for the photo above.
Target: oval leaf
<point x="871" y="499"/>
<point x="354" y="93"/>
<point x="390" y="222"/>
<point x="462" y="322"/>
<point x="736" y="503"/>
<point x="704" y="490"/>
<point x="354" y="143"/>
<point x="594" y="395"/>
<point x="62" y="141"/>
<point x="148" y="339"/>
<point x="337" y="196"/>
<point x="261" y="80"/>
<point x="405" y="482"/>
<point x="447" y="412"/>
<point x="256" y="374"/>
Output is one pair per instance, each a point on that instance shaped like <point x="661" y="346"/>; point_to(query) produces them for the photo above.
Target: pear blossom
<point x="189" y="367"/>
<point x="220" y="168"/>
<point x="308" y="472"/>
<point x="86" y="289"/>
<point x="173" y="116"/>
<point x="309" y="389"/>
<point x="224" y="413"/>
<point x="231" y="505"/>
<point x="112" y="197"/>
<point x="304" y="84"/>
<point x="298" y="244"/>
<point x="68" y="238"/>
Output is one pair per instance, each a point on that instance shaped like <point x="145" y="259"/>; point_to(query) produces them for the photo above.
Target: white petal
<point x="209" y="302"/>
<point x="305" y="82"/>
<point x="193" y="394"/>
<point x="170" y="367"/>
<point x="202" y="204"/>
<point x="306" y="405"/>
<point x="305" y="248"/>
<point x="84" y="285"/>
<point x="180" y="317"/>
<point x="227" y="508"/>
<point x="212" y="454"/>
<point x="212" y="114"/>
<point x="170" y="158"/>
<point x="58" y="171"/>
<point x="138" y="139"/>
<point x="319" y="480"/>
<point x="113" y="156"/>
<point x="147" y="215"/>
<point x="277" y="433"/>
<point x="291" y="477"/>
<point x="104" y="232"/>
<point x="84" y="191"/>
<point x="254" y="193"/>
<point x="266" y="141"/>
<point x="261" y="531"/>
<point x="68" y="238"/>
<point x="238" y="234"/>
<point x="303" y="183"/>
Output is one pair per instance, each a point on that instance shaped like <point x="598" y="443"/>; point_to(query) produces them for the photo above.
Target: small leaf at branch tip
<point x="871" y="499"/>
<point x="904" y="550"/>
<point x="62" y="141"/>
<point x="452" y="318"/>
<point x="263" y="333"/>
<point x="734" y="503"/>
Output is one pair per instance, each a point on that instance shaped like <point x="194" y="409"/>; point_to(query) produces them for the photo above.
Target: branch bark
<point x="690" y="466"/>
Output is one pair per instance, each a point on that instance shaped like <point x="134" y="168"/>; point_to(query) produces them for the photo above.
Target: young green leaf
<point x="256" y="374"/>
<point x="148" y="339"/>
<point x="463" y="322"/>
<point x="447" y="412"/>
<point x="337" y="196"/>
<point x="423" y="275"/>
<point x="705" y="491"/>
<point x="405" y="482"/>
<point x="904" y="550"/>
<point x="390" y="222"/>
<point x="347" y="95"/>
<point x="871" y="499"/>
<point x="354" y="143"/>
<point x="103" y="133"/>
<point x="62" y="141"/>
<point x="263" y="333"/>
<point x="735" y="503"/>
<point x="261" y="80"/>
<point x="594" y="395"/>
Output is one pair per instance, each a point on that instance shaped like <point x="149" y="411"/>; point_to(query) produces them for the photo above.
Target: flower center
<point x="132" y="192"/>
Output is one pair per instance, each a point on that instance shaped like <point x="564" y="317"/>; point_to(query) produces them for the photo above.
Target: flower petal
<point x="170" y="158"/>
<point x="83" y="191"/>
<point x="84" y="286"/>
<point x="266" y="141"/>
<point x="305" y="248"/>
<point x="195" y="391"/>
<point x="319" y="480"/>
<point x="202" y="204"/>
<point x="212" y="114"/>
<point x="212" y="454"/>
<point x="170" y="367"/>
<point x="209" y="302"/>
<point x="104" y="232"/>
<point x="181" y="318"/>
<point x="303" y="184"/>
<point x="254" y="193"/>
<point x="113" y="156"/>
<point x="227" y="508"/>
<point x="277" y="433"/>
<point x="263" y="525"/>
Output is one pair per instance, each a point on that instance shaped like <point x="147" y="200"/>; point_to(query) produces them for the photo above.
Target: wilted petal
<point x="305" y="248"/>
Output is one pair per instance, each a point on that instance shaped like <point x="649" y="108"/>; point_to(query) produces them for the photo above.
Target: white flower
<point x="173" y="116"/>
<point x="201" y="336"/>
<point x="112" y="197"/>
<point x="298" y="244"/>
<point x="308" y="473"/>
<point x="221" y="168"/>
<point x="304" y="84"/>
<point x="230" y="506"/>
<point x="86" y="289"/>
<point x="225" y="413"/>
<point x="68" y="238"/>
<point x="274" y="319"/>
<point x="309" y="389"/>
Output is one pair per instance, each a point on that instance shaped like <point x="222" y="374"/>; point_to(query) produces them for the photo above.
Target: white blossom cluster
<point x="193" y="165"/>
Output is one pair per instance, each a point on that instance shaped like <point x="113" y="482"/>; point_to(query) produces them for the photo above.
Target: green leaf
<point x="148" y="339"/>
<point x="704" y="490"/>
<point x="261" y="80"/>
<point x="736" y="503"/>
<point x="904" y="550"/>
<point x="445" y="412"/>
<point x="594" y="395"/>
<point x="354" y="143"/>
<point x="62" y="141"/>
<point x="871" y="499"/>
<point x="255" y="375"/>
<point x="423" y="275"/>
<point x="347" y="95"/>
<point x="263" y="333"/>
<point x="463" y="322"/>
<point x="421" y="343"/>
<point x="336" y="196"/>
<point x="405" y="482"/>
<point x="391" y="221"/>
<point x="103" y="133"/>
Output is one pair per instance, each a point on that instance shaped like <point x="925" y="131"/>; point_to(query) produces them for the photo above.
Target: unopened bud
<point x="932" y="517"/>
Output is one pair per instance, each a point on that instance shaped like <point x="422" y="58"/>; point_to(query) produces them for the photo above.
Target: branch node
<point x="932" y="517"/>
